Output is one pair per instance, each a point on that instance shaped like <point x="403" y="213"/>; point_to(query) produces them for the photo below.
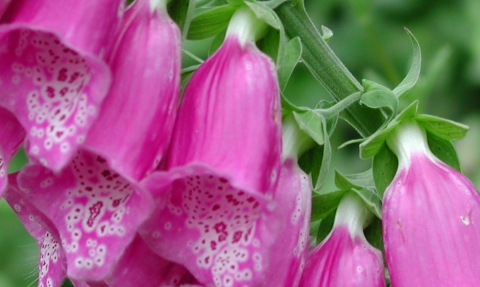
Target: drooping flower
<point x="212" y="211"/>
<point x="345" y="258"/>
<point x="53" y="78"/>
<point x="11" y="136"/>
<point x="95" y="211"/>
<point x="137" y="117"/>
<point x="138" y="265"/>
<point x="431" y="217"/>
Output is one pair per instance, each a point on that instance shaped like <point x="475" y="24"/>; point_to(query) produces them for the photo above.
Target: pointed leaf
<point x="325" y="226"/>
<point x="264" y="13"/>
<point x="324" y="204"/>
<point x="411" y="78"/>
<point x="443" y="128"/>
<point x="312" y="124"/>
<point x="293" y="53"/>
<point x="384" y="168"/>
<point x="444" y="150"/>
<point x="211" y="22"/>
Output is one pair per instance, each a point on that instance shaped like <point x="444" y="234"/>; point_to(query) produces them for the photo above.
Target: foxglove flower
<point x="345" y="258"/>
<point x="11" y="136"/>
<point x="138" y="265"/>
<point x="52" y="74"/>
<point x="137" y="117"/>
<point x="95" y="211"/>
<point x="431" y="217"/>
<point x="223" y="164"/>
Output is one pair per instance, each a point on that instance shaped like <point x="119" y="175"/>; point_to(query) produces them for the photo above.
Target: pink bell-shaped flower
<point x="53" y="77"/>
<point x="212" y="203"/>
<point x="345" y="258"/>
<point x="431" y="218"/>
<point x="93" y="209"/>
<point x="11" y="136"/>
<point x="136" y="119"/>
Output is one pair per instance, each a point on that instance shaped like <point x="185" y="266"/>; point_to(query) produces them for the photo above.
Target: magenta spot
<point x="237" y="236"/>
<point x="220" y="227"/>
<point x="215" y="207"/>
<point x="213" y="245"/>
<point x="50" y="92"/>
<point x="94" y="212"/>
<point x="62" y="75"/>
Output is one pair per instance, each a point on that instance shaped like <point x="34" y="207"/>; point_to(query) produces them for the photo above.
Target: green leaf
<point x="288" y="107"/>
<point x="210" y="22"/>
<point x="373" y="144"/>
<point x="326" y="33"/>
<point x="312" y="124"/>
<point x="412" y="76"/>
<point x="363" y="185"/>
<point x="374" y="235"/>
<point x="270" y="44"/>
<point x="181" y="12"/>
<point x="324" y="204"/>
<point x="325" y="226"/>
<point x="384" y="167"/>
<point x="443" y="128"/>
<point x="266" y="14"/>
<point x="444" y="150"/>
<point x="377" y="96"/>
<point x="216" y="42"/>
<point x="311" y="163"/>
<point x="293" y="53"/>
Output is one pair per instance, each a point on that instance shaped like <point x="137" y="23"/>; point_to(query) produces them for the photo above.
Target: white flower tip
<point x="353" y="213"/>
<point x="158" y="5"/>
<point x="246" y="26"/>
<point x="408" y="139"/>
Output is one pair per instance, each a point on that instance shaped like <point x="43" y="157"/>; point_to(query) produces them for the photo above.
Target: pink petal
<point x="52" y="263"/>
<point x="230" y="117"/>
<point x="3" y="6"/>
<point x="139" y="266"/>
<point x="293" y="199"/>
<point x="431" y="217"/>
<point x="11" y="136"/>
<point x="218" y="231"/>
<point x="137" y="117"/>
<point x="95" y="211"/>
<point x="53" y="77"/>
<point x="344" y="259"/>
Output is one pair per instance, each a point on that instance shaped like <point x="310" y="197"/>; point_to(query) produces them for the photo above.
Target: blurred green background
<point x="369" y="38"/>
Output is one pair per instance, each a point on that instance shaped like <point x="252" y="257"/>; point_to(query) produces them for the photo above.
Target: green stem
<point x="327" y="68"/>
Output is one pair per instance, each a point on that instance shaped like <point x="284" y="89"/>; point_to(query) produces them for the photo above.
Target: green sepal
<point x="373" y="234"/>
<point x="325" y="226"/>
<point x="363" y="185"/>
<point x="412" y="76"/>
<point x="312" y="124"/>
<point x="327" y="34"/>
<point x="377" y="96"/>
<point x="217" y="42"/>
<point x="444" y="150"/>
<point x="292" y="55"/>
<point x="270" y="43"/>
<point x="211" y="22"/>
<point x="265" y="14"/>
<point x="372" y="145"/>
<point x="442" y="128"/>
<point x="315" y="162"/>
<point x="384" y="167"/>
<point x="324" y="204"/>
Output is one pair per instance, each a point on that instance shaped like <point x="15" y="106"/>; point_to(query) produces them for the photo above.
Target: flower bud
<point x="431" y="217"/>
<point x="345" y="258"/>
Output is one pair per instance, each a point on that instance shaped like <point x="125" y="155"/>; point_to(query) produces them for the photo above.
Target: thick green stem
<point x="327" y="68"/>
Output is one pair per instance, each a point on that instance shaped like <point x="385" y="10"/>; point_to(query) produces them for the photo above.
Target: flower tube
<point x="223" y="165"/>
<point x="136" y="119"/>
<point x="431" y="217"/>
<point x="53" y="77"/>
<point x="345" y="258"/>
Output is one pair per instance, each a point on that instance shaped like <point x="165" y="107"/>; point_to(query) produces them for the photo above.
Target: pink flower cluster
<point x="129" y="184"/>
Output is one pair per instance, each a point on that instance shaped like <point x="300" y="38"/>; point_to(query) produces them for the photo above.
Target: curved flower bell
<point x="212" y="211"/>
<point x="431" y="217"/>
<point x="137" y="117"/>
<point x="53" y="77"/>
<point x="95" y="211"/>
<point x="11" y="136"/>
<point x="345" y="258"/>
<point x="138" y="265"/>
